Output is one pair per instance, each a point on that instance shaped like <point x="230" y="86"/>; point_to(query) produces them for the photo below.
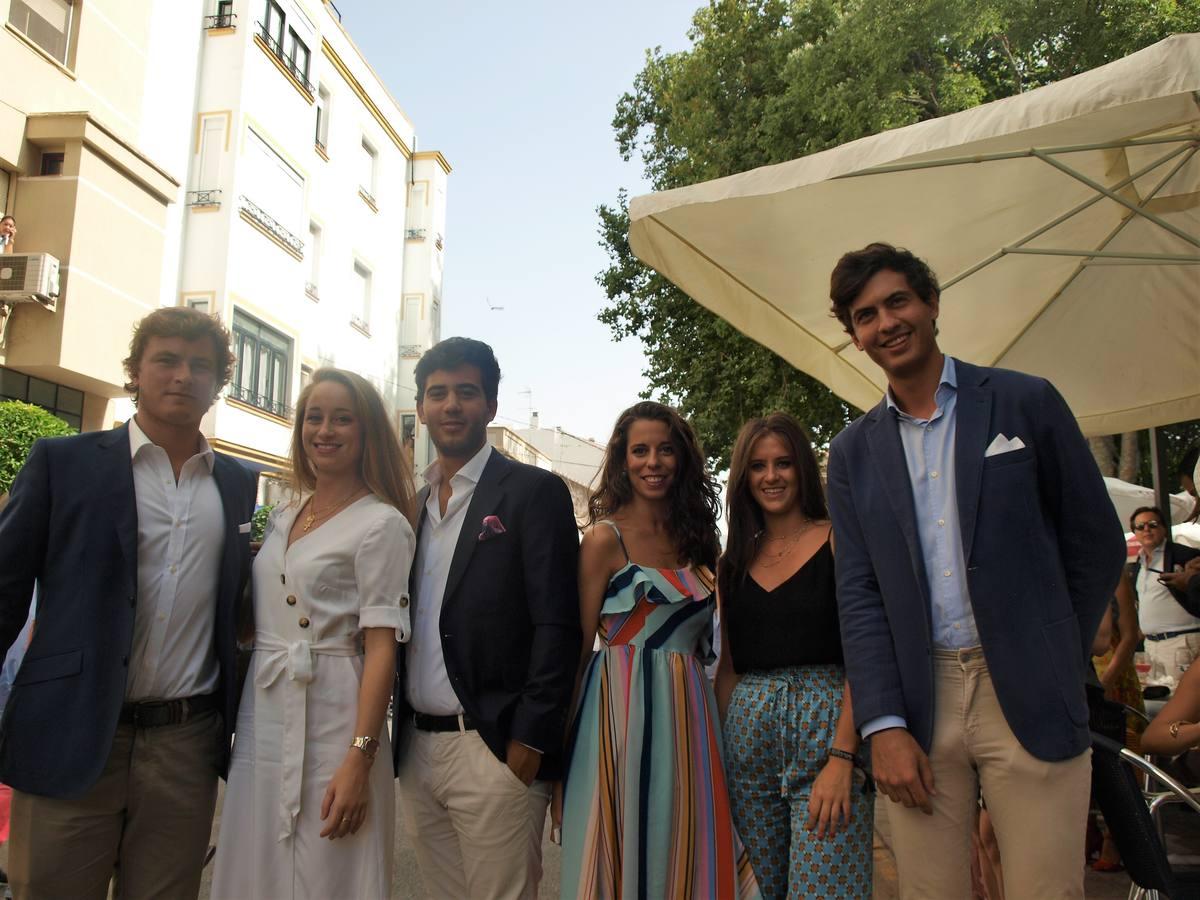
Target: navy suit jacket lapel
<point x="116" y="471"/>
<point x="887" y="452"/>
<point x="973" y="416"/>
<point x="228" y="487"/>
<point x="483" y="503"/>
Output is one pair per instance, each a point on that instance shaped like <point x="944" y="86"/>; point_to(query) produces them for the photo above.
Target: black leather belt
<point x="156" y="713"/>
<point x="426" y="722"/>
<point x="1167" y="635"/>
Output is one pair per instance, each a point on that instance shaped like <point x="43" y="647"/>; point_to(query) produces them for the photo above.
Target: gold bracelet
<point x="1174" y="727"/>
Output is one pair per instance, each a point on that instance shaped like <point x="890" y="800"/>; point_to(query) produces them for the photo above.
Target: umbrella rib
<point x="1104" y="243"/>
<point x="1094" y="199"/>
<point x="700" y="253"/>
<point x="1116" y="198"/>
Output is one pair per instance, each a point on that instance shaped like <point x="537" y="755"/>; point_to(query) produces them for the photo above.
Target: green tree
<point x="766" y="81"/>
<point x="20" y="425"/>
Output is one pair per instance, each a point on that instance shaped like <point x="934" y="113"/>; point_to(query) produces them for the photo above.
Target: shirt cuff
<point x="880" y="723"/>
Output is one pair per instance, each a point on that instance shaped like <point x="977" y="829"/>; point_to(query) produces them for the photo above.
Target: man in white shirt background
<point x="484" y="686"/>
<point x="1172" y="630"/>
<point x="119" y="721"/>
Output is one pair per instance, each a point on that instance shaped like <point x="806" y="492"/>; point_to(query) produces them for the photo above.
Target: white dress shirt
<point x="180" y="533"/>
<point x="1158" y="610"/>
<point x="429" y="688"/>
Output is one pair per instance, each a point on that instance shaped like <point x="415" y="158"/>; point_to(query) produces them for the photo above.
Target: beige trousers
<point x="1171" y="658"/>
<point x="475" y="826"/>
<point x="146" y="821"/>
<point x="1038" y="809"/>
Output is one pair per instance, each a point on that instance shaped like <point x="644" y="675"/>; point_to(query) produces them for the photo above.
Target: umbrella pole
<point x="1159" y="475"/>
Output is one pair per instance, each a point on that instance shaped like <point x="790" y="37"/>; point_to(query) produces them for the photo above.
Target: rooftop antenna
<point x="493" y="306"/>
<point x="528" y="395"/>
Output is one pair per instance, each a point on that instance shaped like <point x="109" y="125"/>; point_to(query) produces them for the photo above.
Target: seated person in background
<point x="1176" y="728"/>
<point x="8" y="234"/>
<point x="1168" y="618"/>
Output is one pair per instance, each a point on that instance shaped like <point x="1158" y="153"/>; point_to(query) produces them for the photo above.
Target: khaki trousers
<point x="1171" y="658"/>
<point x="1038" y="809"/>
<point x="475" y="826"/>
<point x="146" y="821"/>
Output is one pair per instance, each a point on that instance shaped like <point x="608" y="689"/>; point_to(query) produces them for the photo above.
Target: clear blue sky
<point x="520" y="98"/>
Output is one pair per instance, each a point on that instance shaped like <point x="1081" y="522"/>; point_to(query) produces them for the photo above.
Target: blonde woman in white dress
<point x="309" y="807"/>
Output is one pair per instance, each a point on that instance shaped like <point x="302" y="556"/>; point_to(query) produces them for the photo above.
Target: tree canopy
<point x="766" y="81"/>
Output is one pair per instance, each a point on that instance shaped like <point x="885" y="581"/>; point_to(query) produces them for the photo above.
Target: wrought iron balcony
<point x="204" y="198"/>
<point x="269" y="222"/>
<point x="415" y="234"/>
<point x="361" y="324"/>
<point x="288" y="63"/>
<point x="411" y="351"/>
<point x="260" y="401"/>
<point x="221" y="20"/>
<point x="310" y="291"/>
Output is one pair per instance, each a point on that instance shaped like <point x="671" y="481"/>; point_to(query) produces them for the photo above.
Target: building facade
<point x="241" y="157"/>
<point x="93" y="154"/>
<point x="313" y="228"/>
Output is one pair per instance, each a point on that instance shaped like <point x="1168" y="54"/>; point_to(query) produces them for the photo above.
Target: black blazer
<point x="510" y="614"/>
<point x="1042" y="546"/>
<point x="1178" y="554"/>
<point x="71" y="526"/>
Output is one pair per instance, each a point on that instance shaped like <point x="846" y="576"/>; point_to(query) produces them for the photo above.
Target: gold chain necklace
<point x="313" y="516"/>
<point x="791" y="540"/>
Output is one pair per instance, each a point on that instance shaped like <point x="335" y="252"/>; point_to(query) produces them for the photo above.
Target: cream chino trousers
<point x="475" y="826"/>
<point x="1038" y="809"/>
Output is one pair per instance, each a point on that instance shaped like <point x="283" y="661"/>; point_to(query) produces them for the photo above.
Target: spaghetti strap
<point x="617" y="531"/>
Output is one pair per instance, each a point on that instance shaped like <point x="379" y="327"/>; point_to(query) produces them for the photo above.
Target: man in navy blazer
<point x="119" y="721"/>
<point x="976" y="552"/>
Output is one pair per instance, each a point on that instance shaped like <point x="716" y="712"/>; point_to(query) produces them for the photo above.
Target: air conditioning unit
<point x="29" y="277"/>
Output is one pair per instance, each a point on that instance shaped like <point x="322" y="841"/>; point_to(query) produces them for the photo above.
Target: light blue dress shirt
<point x="929" y="456"/>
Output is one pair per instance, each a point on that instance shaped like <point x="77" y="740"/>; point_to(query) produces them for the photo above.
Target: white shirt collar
<point x="138" y="440"/>
<point x="472" y="469"/>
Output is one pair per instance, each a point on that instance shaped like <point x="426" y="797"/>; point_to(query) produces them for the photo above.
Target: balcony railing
<point x="361" y="324"/>
<point x="260" y="401"/>
<point x="415" y="234"/>
<point x="310" y="290"/>
<point x="411" y="351"/>
<point x="204" y="198"/>
<point x="269" y="222"/>
<point x="321" y="146"/>
<point x="368" y="197"/>
<point x="221" y="20"/>
<point x="288" y="63"/>
<point x="437" y="241"/>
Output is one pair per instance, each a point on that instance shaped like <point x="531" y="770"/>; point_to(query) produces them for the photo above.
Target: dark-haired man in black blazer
<point x="484" y="686"/>
<point x="119" y="721"/>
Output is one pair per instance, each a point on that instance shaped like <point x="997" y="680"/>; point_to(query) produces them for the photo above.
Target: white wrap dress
<point x="299" y="704"/>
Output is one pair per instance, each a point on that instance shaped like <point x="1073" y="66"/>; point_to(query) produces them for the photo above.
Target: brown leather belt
<point x="156" y="713"/>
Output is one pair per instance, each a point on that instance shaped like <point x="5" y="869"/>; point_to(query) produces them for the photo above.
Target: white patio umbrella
<point x="1064" y="224"/>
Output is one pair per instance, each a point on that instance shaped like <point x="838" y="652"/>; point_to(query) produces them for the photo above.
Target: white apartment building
<point x="313" y="227"/>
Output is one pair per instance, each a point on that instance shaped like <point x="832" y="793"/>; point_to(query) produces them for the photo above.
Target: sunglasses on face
<point x="1142" y="526"/>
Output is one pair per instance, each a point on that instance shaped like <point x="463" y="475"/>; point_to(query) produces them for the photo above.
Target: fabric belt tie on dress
<point x="278" y="656"/>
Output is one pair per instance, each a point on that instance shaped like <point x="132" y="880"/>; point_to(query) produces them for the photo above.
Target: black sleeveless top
<point x="794" y="625"/>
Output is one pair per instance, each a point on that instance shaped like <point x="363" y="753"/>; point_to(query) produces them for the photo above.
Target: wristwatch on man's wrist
<point x="368" y="745"/>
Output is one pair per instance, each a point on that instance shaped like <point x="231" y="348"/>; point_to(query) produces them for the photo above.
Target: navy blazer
<point x="71" y="526"/>
<point x="510" y="613"/>
<point x="1042" y="545"/>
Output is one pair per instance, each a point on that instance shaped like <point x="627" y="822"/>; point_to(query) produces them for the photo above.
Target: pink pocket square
<point x="492" y="526"/>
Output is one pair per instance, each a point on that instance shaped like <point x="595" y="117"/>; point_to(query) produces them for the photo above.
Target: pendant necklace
<point x="790" y="541"/>
<point x="313" y="516"/>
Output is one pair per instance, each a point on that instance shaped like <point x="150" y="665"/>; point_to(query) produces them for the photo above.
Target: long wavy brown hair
<point x="695" y="498"/>
<point x="383" y="467"/>
<point x="745" y="515"/>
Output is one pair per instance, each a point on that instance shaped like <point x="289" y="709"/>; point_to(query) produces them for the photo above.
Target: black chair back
<point x="1127" y="816"/>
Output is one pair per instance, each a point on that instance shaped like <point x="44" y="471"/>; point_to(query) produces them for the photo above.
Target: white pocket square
<point x="244" y="528"/>
<point x="1001" y="444"/>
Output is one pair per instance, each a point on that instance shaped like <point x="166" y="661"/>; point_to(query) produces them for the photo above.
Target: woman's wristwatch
<point x="368" y="745"/>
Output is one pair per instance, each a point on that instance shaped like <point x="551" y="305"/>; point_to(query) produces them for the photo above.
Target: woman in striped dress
<point x="646" y="811"/>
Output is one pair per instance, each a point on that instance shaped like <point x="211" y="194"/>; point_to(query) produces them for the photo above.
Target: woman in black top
<point x="790" y="743"/>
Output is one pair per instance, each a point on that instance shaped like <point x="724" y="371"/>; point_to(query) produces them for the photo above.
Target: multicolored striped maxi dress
<point x="646" y="810"/>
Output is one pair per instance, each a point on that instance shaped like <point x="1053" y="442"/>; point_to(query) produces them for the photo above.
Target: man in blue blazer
<point x="976" y="551"/>
<point x="119" y="721"/>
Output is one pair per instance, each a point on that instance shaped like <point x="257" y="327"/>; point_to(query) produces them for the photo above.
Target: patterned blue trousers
<point x="778" y="731"/>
